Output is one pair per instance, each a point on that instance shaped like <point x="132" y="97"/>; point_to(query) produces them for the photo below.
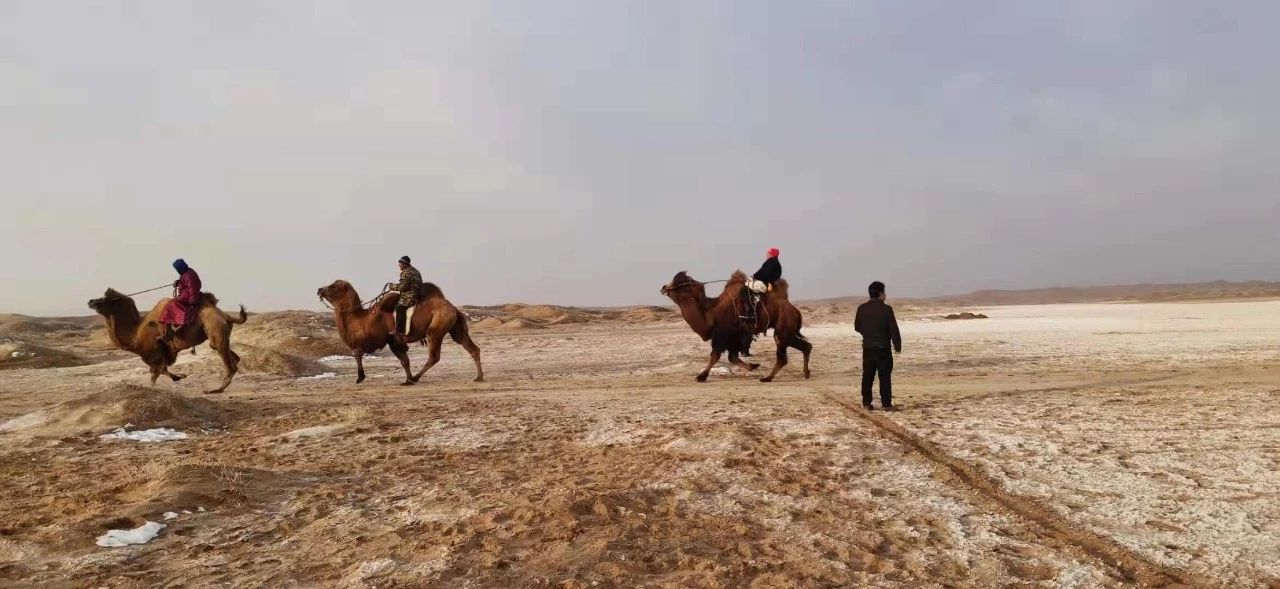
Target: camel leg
<point x="737" y="361"/>
<point x="715" y="357"/>
<point x="464" y="339"/>
<point x="433" y="356"/>
<point x="359" y="354"/>
<point x="175" y="377"/>
<point x="781" y="358"/>
<point x="230" y="360"/>
<point x="798" y="342"/>
<point x="155" y="373"/>
<point x="402" y="354"/>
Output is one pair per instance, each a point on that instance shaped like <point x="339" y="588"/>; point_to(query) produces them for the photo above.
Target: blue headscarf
<point x="180" y="265"/>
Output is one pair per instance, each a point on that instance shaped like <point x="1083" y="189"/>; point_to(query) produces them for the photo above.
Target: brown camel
<point x="367" y="330"/>
<point x="719" y="320"/>
<point x="131" y="331"/>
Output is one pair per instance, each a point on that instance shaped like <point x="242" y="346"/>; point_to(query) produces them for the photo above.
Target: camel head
<point x="337" y="292"/>
<point x="681" y="286"/>
<point x="113" y="304"/>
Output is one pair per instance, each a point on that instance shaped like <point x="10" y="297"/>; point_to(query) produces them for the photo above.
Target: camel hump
<point x="209" y="299"/>
<point x="429" y="290"/>
<point x="780" y="290"/>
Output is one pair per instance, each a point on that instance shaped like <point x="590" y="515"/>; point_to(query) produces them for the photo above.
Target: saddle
<point x="752" y="305"/>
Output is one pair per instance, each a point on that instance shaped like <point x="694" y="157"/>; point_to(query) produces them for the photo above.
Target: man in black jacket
<point x="879" y="329"/>
<point x="762" y="282"/>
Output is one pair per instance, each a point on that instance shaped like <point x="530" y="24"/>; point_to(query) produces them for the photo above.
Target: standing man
<point x="410" y="281"/>
<point x="879" y="328"/>
<point x="183" y="308"/>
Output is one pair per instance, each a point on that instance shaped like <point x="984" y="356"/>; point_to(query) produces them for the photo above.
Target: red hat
<point x="773" y="252"/>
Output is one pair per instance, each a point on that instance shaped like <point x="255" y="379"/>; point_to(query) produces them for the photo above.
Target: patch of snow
<point x="336" y="358"/>
<point x="139" y="535"/>
<point x="319" y="376"/>
<point x="371" y="569"/>
<point x="304" y="337"/>
<point x="170" y="515"/>
<point x="200" y="509"/>
<point x="1076" y="575"/>
<point x="159" y="434"/>
<point x="317" y="431"/>
<point x="720" y="370"/>
<point x="27" y="421"/>
<point x="603" y="433"/>
<point x="701" y="446"/>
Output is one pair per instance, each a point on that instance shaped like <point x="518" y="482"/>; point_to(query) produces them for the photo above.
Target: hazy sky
<point x="583" y="152"/>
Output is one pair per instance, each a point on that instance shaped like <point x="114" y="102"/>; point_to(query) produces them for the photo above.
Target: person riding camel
<point x="762" y="281"/>
<point x="184" y="307"/>
<point x="407" y="288"/>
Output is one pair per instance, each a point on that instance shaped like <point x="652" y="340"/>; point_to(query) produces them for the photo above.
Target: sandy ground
<point x="1048" y="446"/>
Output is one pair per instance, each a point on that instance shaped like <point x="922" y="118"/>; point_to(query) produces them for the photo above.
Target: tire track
<point x="1057" y="530"/>
<point x="1109" y="382"/>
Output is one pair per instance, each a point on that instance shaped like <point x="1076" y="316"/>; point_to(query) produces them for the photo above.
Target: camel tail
<point x="237" y="320"/>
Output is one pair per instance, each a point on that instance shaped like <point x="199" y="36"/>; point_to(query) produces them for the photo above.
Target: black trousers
<point x="877" y="360"/>
<point x="401" y="313"/>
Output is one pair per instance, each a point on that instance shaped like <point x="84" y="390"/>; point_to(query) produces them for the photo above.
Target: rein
<point x="695" y="283"/>
<point x="363" y="306"/>
<point x="148" y="290"/>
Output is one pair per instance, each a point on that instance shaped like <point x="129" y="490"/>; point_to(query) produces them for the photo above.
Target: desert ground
<point x="1064" y="445"/>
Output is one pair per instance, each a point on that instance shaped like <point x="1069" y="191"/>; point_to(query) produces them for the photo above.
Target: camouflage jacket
<point x="410" y="282"/>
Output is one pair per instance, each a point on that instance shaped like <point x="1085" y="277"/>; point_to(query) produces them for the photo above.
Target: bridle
<point x="668" y="288"/>
<point x="118" y="296"/>
<point x="362" y="307"/>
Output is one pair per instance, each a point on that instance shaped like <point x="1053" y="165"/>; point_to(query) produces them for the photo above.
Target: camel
<point x="132" y="332"/>
<point x="367" y="330"/>
<point x="719" y="320"/>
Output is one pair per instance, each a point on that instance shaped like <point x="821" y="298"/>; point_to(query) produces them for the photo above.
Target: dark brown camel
<point x="130" y="331"/>
<point x="719" y="320"/>
<point x="367" y="330"/>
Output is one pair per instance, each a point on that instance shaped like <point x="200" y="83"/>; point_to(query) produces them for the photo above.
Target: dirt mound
<point x="143" y="407"/>
<point x="512" y="307"/>
<point x="568" y="318"/>
<point x="33" y="326"/>
<point x="489" y="322"/>
<point x="965" y="315"/>
<point x="539" y="313"/>
<point x="298" y="333"/>
<point x="275" y="362"/>
<point x="647" y="314"/>
<point x="18" y="354"/>
<point x="518" y="324"/>
<point x="193" y="486"/>
<point x="551" y="315"/>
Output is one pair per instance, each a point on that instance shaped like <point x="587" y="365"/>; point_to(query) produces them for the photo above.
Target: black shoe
<point x="890" y="408"/>
<point x="868" y="407"/>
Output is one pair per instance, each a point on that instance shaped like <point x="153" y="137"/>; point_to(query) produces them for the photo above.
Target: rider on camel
<point x="184" y="307"/>
<point x="762" y="281"/>
<point x="407" y="288"/>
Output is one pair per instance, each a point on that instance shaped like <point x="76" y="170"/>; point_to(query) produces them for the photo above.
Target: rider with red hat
<point x="769" y="272"/>
<point x="762" y="282"/>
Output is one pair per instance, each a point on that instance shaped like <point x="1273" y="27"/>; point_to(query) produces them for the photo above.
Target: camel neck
<point x="123" y="330"/>
<point x="346" y="311"/>
<point x="694" y="311"/>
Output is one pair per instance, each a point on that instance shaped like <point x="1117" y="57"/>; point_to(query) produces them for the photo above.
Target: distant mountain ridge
<point x="1220" y="289"/>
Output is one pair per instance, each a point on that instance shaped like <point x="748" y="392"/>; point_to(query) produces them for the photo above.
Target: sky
<point x="584" y="152"/>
